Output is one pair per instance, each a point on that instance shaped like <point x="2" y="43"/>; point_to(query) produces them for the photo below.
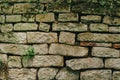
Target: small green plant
<point x="29" y="53"/>
<point x="4" y="70"/>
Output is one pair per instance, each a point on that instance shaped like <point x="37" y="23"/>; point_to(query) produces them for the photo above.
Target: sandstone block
<point x="22" y="74"/>
<point x="13" y="18"/>
<point x="99" y="27"/>
<point x="86" y="63"/>
<point x="3" y="58"/>
<point x="47" y="17"/>
<point x="25" y="26"/>
<point x="28" y="18"/>
<point x="105" y="52"/>
<point x="40" y="37"/>
<point x="67" y="38"/>
<point x="65" y="74"/>
<point x="68" y="17"/>
<point x="116" y="75"/>
<point x="6" y="27"/>
<point x="2" y="18"/>
<point x="14" y="62"/>
<point x="96" y="75"/>
<point x="44" y="61"/>
<point x="73" y="27"/>
<point x="47" y="73"/>
<point x="114" y="29"/>
<point x="44" y="27"/>
<point x="67" y="50"/>
<point x="112" y="63"/>
<point x="97" y="37"/>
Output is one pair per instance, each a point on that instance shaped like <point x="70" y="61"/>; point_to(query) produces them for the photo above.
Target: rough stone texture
<point x="41" y="37"/>
<point x="28" y="18"/>
<point x="59" y="7"/>
<point x="3" y="57"/>
<point x="13" y="18"/>
<point x="6" y="28"/>
<point x="66" y="50"/>
<point x="99" y="27"/>
<point x="22" y="74"/>
<point x="96" y="75"/>
<point x="112" y="63"/>
<point x="86" y="63"/>
<point x="47" y="73"/>
<point x="65" y="74"/>
<point x="44" y="61"/>
<point x="72" y="27"/>
<point x="2" y="18"/>
<point x="114" y="29"/>
<point x="91" y="18"/>
<point x="14" y="62"/>
<point x="105" y="52"/>
<point x="111" y="21"/>
<point x="67" y="38"/>
<point x="95" y="44"/>
<point x="116" y="75"/>
<point x="41" y="49"/>
<point x="68" y="17"/>
<point x="99" y="37"/>
<point x="13" y="37"/>
<point x="47" y="17"/>
<point x="25" y="26"/>
<point x="44" y="27"/>
<point x="13" y="49"/>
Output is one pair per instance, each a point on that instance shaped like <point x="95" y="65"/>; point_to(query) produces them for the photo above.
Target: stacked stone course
<point x="70" y="40"/>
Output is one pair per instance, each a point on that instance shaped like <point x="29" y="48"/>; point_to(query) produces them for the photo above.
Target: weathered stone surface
<point x="73" y="27"/>
<point x="67" y="38"/>
<point x="6" y="27"/>
<point x="96" y="75"/>
<point x="95" y="44"/>
<point x="40" y="37"/>
<point x="44" y="27"/>
<point x="25" y="8"/>
<point x="53" y="1"/>
<point x="66" y="50"/>
<point x="22" y="74"/>
<point x="46" y="17"/>
<point x="111" y="21"/>
<point x="13" y="18"/>
<point x="65" y="74"/>
<point x="28" y="18"/>
<point x="68" y="17"/>
<point x="58" y="7"/>
<point x="13" y="37"/>
<point x="47" y="73"/>
<point x="18" y="0"/>
<point x="99" y="37"/>
<point x="105" y="52"/>
<point x="91" y="18"/>
<point x="3" y="58"/>
<point x="14" y="62"/>
<point x="2" y="18"/>
<point x="41" y="49"/>
<point x="86" y="63"/>
<point x="116" y="75"/>
<point x="99" y="27"/>
<point x="25" y="26"/>
<point x="112" y="63"/>
<point x="114" y="29"/>
<point x="116" y="45"/>
<point x="16" y="49"/>
<point x="44" y="61"/>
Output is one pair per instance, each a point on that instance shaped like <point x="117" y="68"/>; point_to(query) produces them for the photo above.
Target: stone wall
<point x="58" y="40"/>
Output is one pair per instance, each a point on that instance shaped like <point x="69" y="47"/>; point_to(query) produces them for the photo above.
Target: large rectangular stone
<point x="25" y="26"/>
<point x="41" y="37"/>
<point x="73" y="27"/>
<point x="2" y="18"/>
<point x="97" y="37"/>
<point x="105" y="52"/>
<point x="85" y="63"/>
<point x="44" y="61"/>
<point x="67" y="50"/>
<point x="13" y="18"/>
<point x="116" y="75"/>
<point x="13" y="37"/>
<point x="114" y="29"/>
<point x="96" y="75"/>
<point x="15" y="49"/>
